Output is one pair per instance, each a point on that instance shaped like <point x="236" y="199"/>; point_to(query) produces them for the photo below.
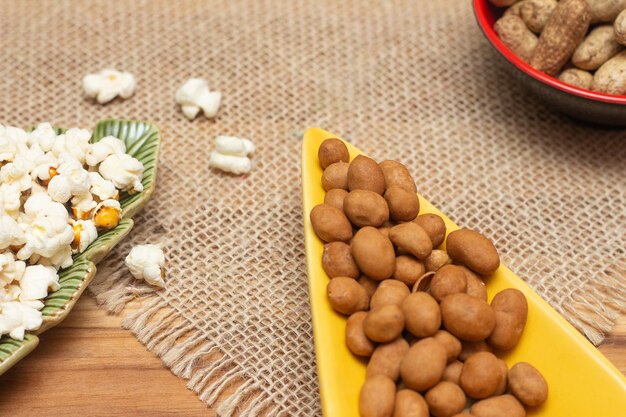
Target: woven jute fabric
<point x="408" y="80"/>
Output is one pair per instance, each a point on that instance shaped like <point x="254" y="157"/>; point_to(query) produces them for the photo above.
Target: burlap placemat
<point x="412" y="80"/>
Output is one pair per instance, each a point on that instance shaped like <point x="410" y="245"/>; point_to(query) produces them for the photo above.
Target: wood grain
<point x="89" y="366"/>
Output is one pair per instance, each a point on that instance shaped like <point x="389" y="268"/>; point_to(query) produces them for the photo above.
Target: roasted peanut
<point x="386" y="359"/>
<point x="366" y="208"/>
<point x="502" y="405"/>
<point x="356" y="340"/>
<point x="330" y="224"/>
<point x="408" y="270"/>
<point x="337" y="261"/>
<point x="373" y="253"/>
<point x="397" y="174"/>
<point x="451" y="343"/>
<point x="377" y="397"/>
<point x="335" y="197"/>
<point x="445" y="399"/>
<point x="384" y="324"/>
<point x="473" y="250"/>
<point x="410" y="404"/>
<point x="389" y="292"/>
<point x="421" y="314"/>
<point x="335" y="176"/>
<point x="365" y="174"/>
<point x="527" y="384"/>
<point x="403" y="205"/>
<point x="449" y="279"/>
<point x="434" y="226"/>
<point x="511" y="310"/>
<point x="346" y="296"/>
<point x="423" y="364"/>
<point x="481" y="375"/>
<point x="467" y="317"/>
<point x="331" y="151"/>
<point x="411" y="238"/>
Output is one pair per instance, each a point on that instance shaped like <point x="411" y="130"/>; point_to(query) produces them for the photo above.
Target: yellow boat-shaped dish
<point x="582" y="382"/>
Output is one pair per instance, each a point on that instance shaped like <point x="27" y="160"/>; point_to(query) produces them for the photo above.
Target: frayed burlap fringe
<point x="164" y="331"/>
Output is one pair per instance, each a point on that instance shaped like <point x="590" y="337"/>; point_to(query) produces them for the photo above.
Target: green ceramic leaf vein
<point x="142" y="142"/>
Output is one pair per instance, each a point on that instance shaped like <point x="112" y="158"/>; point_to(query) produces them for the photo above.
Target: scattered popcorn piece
<point x="145" y="262"/>
<point x="77" y="176"/>
<point x="10" y="293"/>
<point x="74" y="142"/>
<point x="10" y="202"/>
<point x="107" y="214"/>
<point x="44" y="136"/>
<point x="195" y="95"/>
<point x="60" y="189"/>
<point x="108" y="84"/>
<point x="17" y="318"/>
<point x="82" y="206"/>
<point x="106" y="146"/>
<point x="230" y="163"/>
<point x="17" y="173"/>
<point x="124" y="171"/>
<point x="231" y="145"/>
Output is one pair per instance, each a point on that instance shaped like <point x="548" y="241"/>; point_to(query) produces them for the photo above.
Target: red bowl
<point x="573" y="101"/>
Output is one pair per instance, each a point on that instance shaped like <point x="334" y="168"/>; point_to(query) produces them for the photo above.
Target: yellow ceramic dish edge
<point x="582" y="382"/>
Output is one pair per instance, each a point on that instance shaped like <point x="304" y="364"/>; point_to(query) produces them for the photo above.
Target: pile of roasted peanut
<point x="580" y="41"/>
<point x="419" y="313"/>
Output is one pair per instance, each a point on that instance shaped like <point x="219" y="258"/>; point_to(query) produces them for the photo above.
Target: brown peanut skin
<point x="499" y="406"/>
<point x="403" y="205"/>
<point x="527" y="384"/>
<point x="503" y="381"/>
<point x="389" y="292"/>
<point x="421" y="314"/>
<point x="452" y="372"/>
<point x="449" y="279"/>
<point x="337" y="261"/>
<point x="445" y="399"/>
<point x="436" y="260"/>
<point x="481" y="375"/>
<point x="331" y="151"/>
<point x="365" y="208"/>
<point x="434" y="226"/>
<point x="377" y="397"/>
<point x="466" y="317"/>
<point x="356" y="340"/>
<point x="619" y="27"/>
<point x="335" y="176"/>
<point x="577" y="77"/>
<point x="335" y="198"/>
<point x="451" y="343"/>
<point x="605" y="10"/>
<point x="513" y="32"/>
<point x="410" y="404"/>
<point x="535" y="13"/>
<point x="369" y="284"/>
<point x="365" y="174"/>
<point x="384" y="324"/>
<point x="511" y="311"/>
<point x="373" y="253"/>
<point x="386" y="359"/>
<point x="473" y="250"/>
<point x="610" y="78"/>
<point x="330" y="224"/>
<point x="423" y="365"/>
<point x="346" y="296"/>
<point x="475" y="286"/>
<point x="397" y="174"/>
<point x="598" y="47"/>
<point x="563" y="32"/>
<point x="411" y="238"/>
<point x="470" y="348"/>
<point x="408" y="270"/>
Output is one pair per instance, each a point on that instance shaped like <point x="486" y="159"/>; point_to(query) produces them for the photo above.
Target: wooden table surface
<point x="89" y="366"/>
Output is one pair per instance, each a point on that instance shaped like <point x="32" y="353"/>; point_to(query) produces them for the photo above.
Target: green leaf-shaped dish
<point x="142" y="141"/>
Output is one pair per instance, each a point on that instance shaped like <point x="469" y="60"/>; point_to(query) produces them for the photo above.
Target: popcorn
<point x="40" y="173"/>
<point x="74" y="142"/>
<point x="46" y="229"/>
<point x="106" y="146"/>
<point x="36" y="282"/>
<point x="230" y="163"/>
<point x="145" y="262"/>
<point x="10" y="269"/>
<point x="101" y="188"/>
<point x="85" y="233"/>
<point x="124" y="171"/>
<point x="231" y="145"/>
<point x="195" y="95"/>
<point x="108" y="84"/>
<point x="17" y="318"/>
<point x="10" y="232"/>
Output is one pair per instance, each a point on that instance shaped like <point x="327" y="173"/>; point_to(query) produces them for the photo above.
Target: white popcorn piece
<point x="43" y="164"/>
<point x="124" y="171"/>
<point x="74" y="142"/>
<point x="10" y="269"/>
<point x="16" y="172"/>
<point x="230" y="163"/>
<point x="44" y="136"/>
<point x="10" y="232"/>
<point x="109" y="83"/>
<point x="17" y="318"/>
<point x="145" y="262"/>
<point x="195" y="95"/>
<point x="10" y="202"/>
<point x="101" y="188"/>
<point x="10" y="293"/>
<point x="37" y="281"/>
<point x="85" y="233"/>
<point x="60" y="189"/>
<point x="106" y="146"/>
<point x="83" y="205"/>
<point x="47" y="232"/>
<point x="231" y="145"/>
<point x="77" y="176"/>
